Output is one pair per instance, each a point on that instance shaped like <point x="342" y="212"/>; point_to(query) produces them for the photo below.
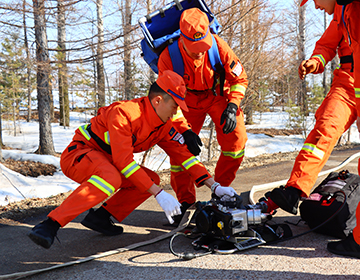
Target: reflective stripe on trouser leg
<point x="81" y="199"/>
<point x="312" y="149"/>
<point x="232" y="147"/>
<point x="128" y="197"/>
<point x="102" y="185"/>
<point x="334" y="117"/>
<point x="182" y="184"/>
<point x="231" y="162"/>
<point x="97" y="176"/>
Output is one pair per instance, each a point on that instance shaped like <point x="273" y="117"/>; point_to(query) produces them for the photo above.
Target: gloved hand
<point x="220" y="191"/>
<point x="193" y="142"/>
<point x="169" y="204"/>
<point x="229" y="117"/>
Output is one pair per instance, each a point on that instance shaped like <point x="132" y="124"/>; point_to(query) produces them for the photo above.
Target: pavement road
<point x="304" y="257"/>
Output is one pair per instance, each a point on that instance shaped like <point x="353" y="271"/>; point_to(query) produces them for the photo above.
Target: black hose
<point x="185" y="256"/>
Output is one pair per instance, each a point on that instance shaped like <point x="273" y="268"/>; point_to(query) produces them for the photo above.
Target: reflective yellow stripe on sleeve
<point x="101" y="184"/>
<point x="176" y="168"/>
<point x="236" y="154"/>
<point x="130" y="169"/>
<point x="357" y="92"/>
<point x="238" y="88"/>
<point x="190" y="162"/>
<point x="107" y="137"/>
<point x="322" y="59"/>
<point x="314" y="150"/>
<point x="85" y="132"/>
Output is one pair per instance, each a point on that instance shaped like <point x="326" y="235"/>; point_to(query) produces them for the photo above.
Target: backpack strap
<point x="214" y="58"/>
<point x="176" y="58"/>
<point x="217" y="65"/>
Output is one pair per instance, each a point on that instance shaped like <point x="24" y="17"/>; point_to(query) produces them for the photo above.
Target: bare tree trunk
<point x="99" y="56"/>
<point x="52" y="111"/>
<point x="96" y="99"/>
<point x="62" y="71"/>
<point x="230" y="30"/>
<point x="127" y="51"/>
<point x="212" y="126"/>
<point x="325" y="84"/>
<point x="302" y="97"/>
<point x="28" y="69"/>
<point x="46" y="145"/>
<point x="14" y="113"/>
<point x="151" y="73"/>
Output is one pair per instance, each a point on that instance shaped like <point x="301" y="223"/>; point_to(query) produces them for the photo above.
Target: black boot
<point x="287" y="198"/>
<point x="345" y="247"/>
<point x="100" y="221"/>
<point x="184" y="206"/>
<point x="44" y="233"/>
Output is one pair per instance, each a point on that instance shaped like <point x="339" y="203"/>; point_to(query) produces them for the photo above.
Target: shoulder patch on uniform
<point x="232" y="64"/>
<point x="238" y="69"/>
<point x="172" y="131"/>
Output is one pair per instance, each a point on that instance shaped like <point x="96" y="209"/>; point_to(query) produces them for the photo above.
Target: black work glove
<point x="193" y="142"/>
<point x="229" y="117"/>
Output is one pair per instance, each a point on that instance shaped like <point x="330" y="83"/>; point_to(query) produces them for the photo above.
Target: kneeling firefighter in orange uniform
<point x="214" y="93"/>
<point x="100" y="158"/>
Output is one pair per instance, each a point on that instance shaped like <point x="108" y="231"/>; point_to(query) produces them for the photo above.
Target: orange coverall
<point x="334" y="116"/>
<point x="349" y="23"/>
<point x="103" y="167"/>
<point x="199" y="77"/>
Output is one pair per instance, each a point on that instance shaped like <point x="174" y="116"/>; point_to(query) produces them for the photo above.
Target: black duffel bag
<point x="326" y="200"/>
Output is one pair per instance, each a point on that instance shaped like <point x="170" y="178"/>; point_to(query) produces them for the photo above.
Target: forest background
<point x="73" y="55"/>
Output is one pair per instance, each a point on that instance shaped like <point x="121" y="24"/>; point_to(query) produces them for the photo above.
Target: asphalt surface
<point x="304" y="257"/>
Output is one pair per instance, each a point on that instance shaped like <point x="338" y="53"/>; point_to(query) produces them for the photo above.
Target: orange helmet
<point x="174" y="85"/>
<point x="194" y="27"/>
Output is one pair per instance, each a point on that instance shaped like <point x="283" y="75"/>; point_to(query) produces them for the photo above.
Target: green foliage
<point x="297" y="120"/>
<point x="13" y="71"/>
<point x="315" y="97"/>
<point x="84" y="81"/>
<point x="139" y="85"/>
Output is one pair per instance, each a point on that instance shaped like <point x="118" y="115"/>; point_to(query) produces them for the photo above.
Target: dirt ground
<point x="21" y="210"/>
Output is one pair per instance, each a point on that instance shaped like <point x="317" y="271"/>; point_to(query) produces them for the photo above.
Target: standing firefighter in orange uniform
<point x="204" y="96"/>
<point x="335" y="115"/>
<point x="347" y="21"/>
<point x="100" y="158"/>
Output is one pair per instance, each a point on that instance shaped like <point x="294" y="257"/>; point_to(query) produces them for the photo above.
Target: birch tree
<point x="149" y="10"/>
<point x="302" y="95"/>
<point x="127" y="50"/>
<point x="325" y="83"/>
<point x="28" y="63"/>
<point x="99" y="55"/>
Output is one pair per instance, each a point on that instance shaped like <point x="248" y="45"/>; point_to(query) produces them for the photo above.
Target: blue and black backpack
<point x="161" y="29"/>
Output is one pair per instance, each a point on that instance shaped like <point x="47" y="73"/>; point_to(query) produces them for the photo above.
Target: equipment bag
<point x="326" y="200"/>
<point x="161" y="28"/>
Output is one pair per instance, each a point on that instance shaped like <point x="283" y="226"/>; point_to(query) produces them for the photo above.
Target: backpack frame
<point x="161" y="29"/>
